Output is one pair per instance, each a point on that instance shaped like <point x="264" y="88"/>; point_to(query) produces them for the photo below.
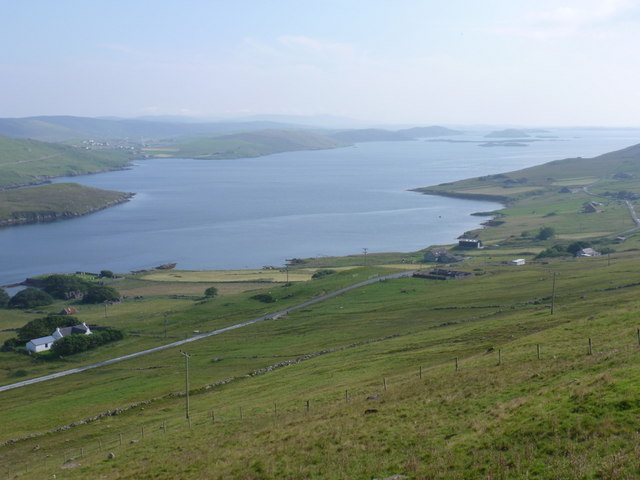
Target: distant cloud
<point x="565" y="20"/>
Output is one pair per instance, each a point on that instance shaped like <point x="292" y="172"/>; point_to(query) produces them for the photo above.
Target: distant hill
<point x="508" y="133"/>
<point x="382" y="135"/>
<point x="426" y="132"/>
<point x="611" y="172"/>
<point x="67" y="128"/>
<point x="242" y="145"/>
<point x="29" y="162"/>
<point x="369" y="135"/>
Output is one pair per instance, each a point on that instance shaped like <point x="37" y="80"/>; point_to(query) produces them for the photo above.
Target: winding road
<point x="271" y="316"/>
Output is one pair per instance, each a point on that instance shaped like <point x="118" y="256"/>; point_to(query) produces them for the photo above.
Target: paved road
<point x="203" y="335"/>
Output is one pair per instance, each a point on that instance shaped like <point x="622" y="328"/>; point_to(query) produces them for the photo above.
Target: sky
<point x="422" y="62"/>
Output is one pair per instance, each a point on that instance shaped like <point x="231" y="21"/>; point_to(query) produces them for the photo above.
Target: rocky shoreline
<point x="24" y="218"/>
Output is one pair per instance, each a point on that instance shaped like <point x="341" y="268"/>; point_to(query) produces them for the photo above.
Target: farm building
<point x="43" y="344"/>
<point x="588" y="252"/>
<point x="469" y="243"/>
<point x="518" y="261"/>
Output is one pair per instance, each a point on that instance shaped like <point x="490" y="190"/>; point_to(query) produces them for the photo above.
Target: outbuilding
<point x="41" y="344"/>
<point x="518" y="261"/>
<point x="469" y="243"/>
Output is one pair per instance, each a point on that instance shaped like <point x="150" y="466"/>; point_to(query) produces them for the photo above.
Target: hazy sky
<point x="540" y="62"/>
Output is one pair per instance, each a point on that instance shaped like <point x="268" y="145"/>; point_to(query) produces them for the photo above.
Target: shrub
<point x="211" y="292"/>
<point x="30" y="298"/>
<point x="101" y="294"/>
<point x="322" y="273"/>
<point x="106" y="274"/>
<point x="545" y="233"/>
<point x="264" y="298"/>
<point x="555" y="251"/>
<point x="41" y="327"/>
<point x="65" y="286"/>
<point x="4" y="298"/>
<point x="72" y="344"/>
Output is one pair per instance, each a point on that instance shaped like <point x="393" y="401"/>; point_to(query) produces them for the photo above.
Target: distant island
<point x="382" y="135"/>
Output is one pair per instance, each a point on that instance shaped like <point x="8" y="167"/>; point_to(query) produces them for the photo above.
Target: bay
<point x="246" y="213"/>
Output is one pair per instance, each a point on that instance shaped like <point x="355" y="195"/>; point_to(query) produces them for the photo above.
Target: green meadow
<point x="515" y="372"/>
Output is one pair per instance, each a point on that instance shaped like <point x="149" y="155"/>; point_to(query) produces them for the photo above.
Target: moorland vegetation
<point x="527" y="371"/>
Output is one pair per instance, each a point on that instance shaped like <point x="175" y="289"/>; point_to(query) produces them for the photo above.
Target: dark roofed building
<point x="469" y="243"/>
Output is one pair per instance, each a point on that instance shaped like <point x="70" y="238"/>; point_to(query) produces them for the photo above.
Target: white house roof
<point x="42" y="340"/>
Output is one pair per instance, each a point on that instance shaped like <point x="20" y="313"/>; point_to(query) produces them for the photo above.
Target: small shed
<point x="518" y="261"/>
<point x="469" y="243"/>
<point x="41" y="344"/>
<point x="588" y="252"/>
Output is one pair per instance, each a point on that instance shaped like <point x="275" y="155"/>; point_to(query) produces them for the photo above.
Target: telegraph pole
<point x="186" y="380"/>
<point x="365" y="250"/>
<point x="553" y="293"/>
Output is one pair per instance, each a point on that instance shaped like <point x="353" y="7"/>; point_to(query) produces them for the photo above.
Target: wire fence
<point x="92" y="445"/>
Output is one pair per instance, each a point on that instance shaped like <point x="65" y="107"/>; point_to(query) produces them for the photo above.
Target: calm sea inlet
<point x="246" y="213"/>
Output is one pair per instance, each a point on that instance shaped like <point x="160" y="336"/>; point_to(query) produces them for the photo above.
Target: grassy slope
<point x="53" y="202"/>
<point x="481" y="420"/>
<point x="27" y="162"/>
<point x="567" y="415"/>
<point x="242" y="145"/>
<point x="533" y="196"/>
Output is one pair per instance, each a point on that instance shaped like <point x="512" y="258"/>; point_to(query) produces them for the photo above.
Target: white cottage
<point x="41" y="344"/>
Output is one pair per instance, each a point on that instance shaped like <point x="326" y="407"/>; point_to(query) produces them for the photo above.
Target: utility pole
<point x="186" y="380"/>
<point x="553" y="293"/>
<point x="365" y="255"/>
<point x="165" y="325"/>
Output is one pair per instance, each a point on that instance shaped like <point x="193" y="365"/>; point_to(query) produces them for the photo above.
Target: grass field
<point x="27" y="162"/>
<point x="516" y="372"/>
<point x="384" y="334"/>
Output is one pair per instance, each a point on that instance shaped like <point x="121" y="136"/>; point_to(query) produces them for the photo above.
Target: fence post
<point x="590" y="347"/>
<point x="384" y="383"/>
<point x="639" y="336"/>
<point x="346" y="396"/>
<point x="120" y="435"/>
<point x="308" y="405"/>
<point x="142" y="431"/>
<point x="420" y="372"/>
<point x="538" y="350"/>
<point x="456" y="364"/>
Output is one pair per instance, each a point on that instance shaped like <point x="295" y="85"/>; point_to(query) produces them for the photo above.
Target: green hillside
<point x="554" y="194"/>
<point x="28" y="162"/>
<point x="58" y="201"/>
<point x="514" y="372"/>
<point x="243" y="145"/>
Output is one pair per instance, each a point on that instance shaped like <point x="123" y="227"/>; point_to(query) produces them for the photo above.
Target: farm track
<point x="271" y="316"/>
